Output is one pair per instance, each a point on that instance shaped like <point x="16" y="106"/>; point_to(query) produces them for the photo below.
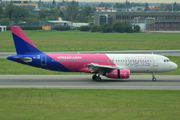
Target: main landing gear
<point x="153" y="77"/>
<point x="96" y="78"/>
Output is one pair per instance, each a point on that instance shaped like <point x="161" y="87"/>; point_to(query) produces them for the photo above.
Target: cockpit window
<point x="166" y="60"/>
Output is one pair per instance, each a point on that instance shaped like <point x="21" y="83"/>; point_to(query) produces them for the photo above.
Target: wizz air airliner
<point x="110" y="65"/>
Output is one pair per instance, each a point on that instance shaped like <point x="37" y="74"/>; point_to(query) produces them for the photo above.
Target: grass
<point x="8" y="67"/>
<point x="82" y="41"/>
<point x="77" y="104"/>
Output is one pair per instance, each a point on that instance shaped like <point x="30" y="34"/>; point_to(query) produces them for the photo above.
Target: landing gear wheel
<point x="98" y="78"/>
<point x="154" y="79"/>
<point x="94" y="77"/>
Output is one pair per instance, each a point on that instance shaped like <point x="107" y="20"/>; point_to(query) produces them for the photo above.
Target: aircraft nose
<point x="174" y="66"/>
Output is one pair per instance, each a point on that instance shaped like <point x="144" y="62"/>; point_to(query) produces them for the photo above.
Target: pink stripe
<point x="75" y="62"/>
<point x="18" y="31"/>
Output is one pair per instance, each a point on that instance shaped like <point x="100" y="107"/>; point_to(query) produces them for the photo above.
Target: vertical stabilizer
<point x="22" y="43"/>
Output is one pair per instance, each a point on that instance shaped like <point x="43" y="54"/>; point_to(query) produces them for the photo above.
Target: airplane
<point x="116" y="66"/>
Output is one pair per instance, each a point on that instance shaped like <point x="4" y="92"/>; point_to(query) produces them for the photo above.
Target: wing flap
<point x="96" y="67"/>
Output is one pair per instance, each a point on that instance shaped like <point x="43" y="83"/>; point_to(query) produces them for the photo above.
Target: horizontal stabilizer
<point x="25" y="59"/>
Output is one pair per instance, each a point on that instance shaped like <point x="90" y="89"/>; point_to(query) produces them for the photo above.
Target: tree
<point x="175" y="7"/>
<point x="161" y="7"/>
<point x="118" y="26"/>
<point x="31" y="18"/>
<point x="1" y="10"/>
<point x="9" y="11"/>
<point x="118" y="5"/>
<point x="106" y="28"/>
<point x="84" y="14"/>
<point x="168" y="7"/>
<point x="20" y="13"/>
<point x="72" y="12"/>
<point x="101" y="5"/>
<point x="15" y="13"/>
<point x="61" y="14"/>
<point x="95" y="28"/>
<point x="75" y="3"/>
<point x="146" y="7"/>
<point x="52" y="14"/>
<point x="136" y="28"/>
<point x="127" y="4"/>
<point x="5" y="20"/>
<point x="43" y="13"/>
<point x="128" y="28"/>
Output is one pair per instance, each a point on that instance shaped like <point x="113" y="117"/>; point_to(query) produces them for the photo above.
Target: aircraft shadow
<point x="140" y="81"/>
<point x="86" y="80"/>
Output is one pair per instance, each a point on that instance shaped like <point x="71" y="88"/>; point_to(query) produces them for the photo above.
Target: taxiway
<point x="164" y="82"/>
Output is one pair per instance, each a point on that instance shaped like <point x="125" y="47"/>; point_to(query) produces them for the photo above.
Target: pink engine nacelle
<point x="120" y="73"/>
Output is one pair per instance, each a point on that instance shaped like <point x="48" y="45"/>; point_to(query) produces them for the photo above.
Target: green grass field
<point x="8" y="67"/>
<point x="77" y="104"/>
<point x="82" y="41"/>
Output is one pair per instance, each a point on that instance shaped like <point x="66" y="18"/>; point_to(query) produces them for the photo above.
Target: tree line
<point x="74" y="11"/>
<point x="118" y="26"/>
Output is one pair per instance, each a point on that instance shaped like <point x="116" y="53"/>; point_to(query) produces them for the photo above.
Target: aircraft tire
<point x="98" y="78"/>
<point x="154" y="79"/>
<point x="94" y="77"/>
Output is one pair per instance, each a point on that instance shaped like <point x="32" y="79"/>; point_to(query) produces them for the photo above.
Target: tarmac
<point x="164" y="82"/>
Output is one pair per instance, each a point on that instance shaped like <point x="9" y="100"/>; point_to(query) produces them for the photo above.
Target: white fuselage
<point x="143" y="63"/>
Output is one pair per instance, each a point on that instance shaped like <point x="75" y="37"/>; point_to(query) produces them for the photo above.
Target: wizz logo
<point x="137" y="61"/>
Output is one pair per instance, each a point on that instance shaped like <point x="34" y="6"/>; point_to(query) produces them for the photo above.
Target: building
<point x="100" y="8"/>
<point x="164" y="21"/>
<point x="2" y="28"/>
<point x="23" y="3"/>
<point x="54" y="23"/>
<point x="154" y="7"/>
<point x="139" y="8"/>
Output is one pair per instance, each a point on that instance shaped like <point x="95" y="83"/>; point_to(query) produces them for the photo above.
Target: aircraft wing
<point x="96" y="67"/>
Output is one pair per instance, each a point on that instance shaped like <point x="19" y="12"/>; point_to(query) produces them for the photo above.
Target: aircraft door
<point x="43" y="60"/>
<point x="155" y="63"/>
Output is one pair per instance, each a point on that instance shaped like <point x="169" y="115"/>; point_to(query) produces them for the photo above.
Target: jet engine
<point x="120" y="73"/>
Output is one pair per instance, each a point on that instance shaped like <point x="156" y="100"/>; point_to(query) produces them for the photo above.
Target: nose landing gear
<point x="153" y="77"/>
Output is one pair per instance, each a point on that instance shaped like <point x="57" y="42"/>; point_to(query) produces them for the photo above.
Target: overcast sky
<point x="143" y="1"/>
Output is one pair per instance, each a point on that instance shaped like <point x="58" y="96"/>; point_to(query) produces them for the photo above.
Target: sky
<point x="137" y="1"/>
